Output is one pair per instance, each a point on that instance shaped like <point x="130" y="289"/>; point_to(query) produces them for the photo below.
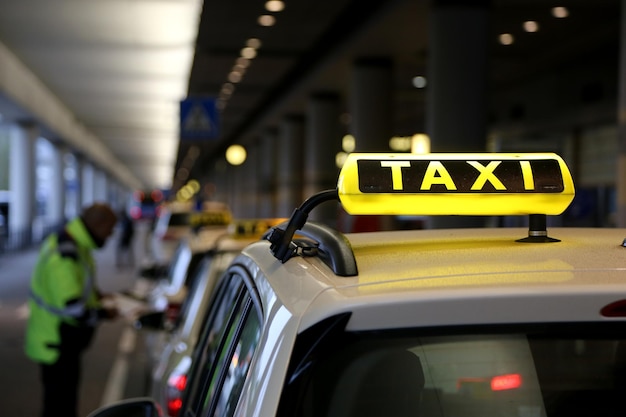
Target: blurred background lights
<point x="531" y="26"/>
<point x="234" y="77"/>
<point x="243" y="62"/>
<point x="253" y="43"/>
<point x="348" y="143"/>
<point x="420" y="143"/>
<point x="506" y="39"/>
<point x="274" y="5"/>
<point x="267" y="20"/>
<point x="400" y="144"/>
<point x="248" y="52"/>
<point x="419" y="82"/>
<point x="560" y="12"/>
<point x="340" y="159"/>
<point x="236" y="154"/>
<point x="228" y="88"/>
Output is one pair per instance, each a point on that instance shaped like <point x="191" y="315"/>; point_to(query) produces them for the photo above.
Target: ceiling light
<point x="419" y="82"/>
<point x="531" y="26"/>
<point x="348" y="143"/>
<point x="248" y="52"/>
<point x="234" y="77"/>
<point x="236" y="154"/>
<point x="274" y="5"/>
<point x="506" y="39"/>
<point x="560" y="12"/>
<point x="420" y="143"/>
<point x="340" y="159"/>
<point x="243" y="62"/>
<point x="267" y="20"/>
<point x="228" y="88"/>
<point x="239" y="69"/>
<point x="253" y="43"/>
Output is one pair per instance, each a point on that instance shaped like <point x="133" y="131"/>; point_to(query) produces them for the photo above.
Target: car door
<point x="223" y="355"/>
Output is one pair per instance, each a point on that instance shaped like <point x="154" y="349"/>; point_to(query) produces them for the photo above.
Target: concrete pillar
<point x="621" y="120"/>
<point x="218" y="188"/>
<point x="22" y="206"/>
<point x="75" y="165"/>
<point x="87" y="183"/>
<point x="371" y="104"/>
<point x="56" y="197"/>
<point x="250" y="183"/>
<point x="322" y="143"/>
<point x="267" y="168"/>
<point x="101" y="186"/>
<point x="456" y="111"/>
<point x="243" y="186"/>
<point x="371" y="124"/>
<point x="290" y="162"/>
<point x="233" y="185"/>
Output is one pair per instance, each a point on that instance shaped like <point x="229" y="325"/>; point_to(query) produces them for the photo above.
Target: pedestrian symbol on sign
<point x="198" y="119"/>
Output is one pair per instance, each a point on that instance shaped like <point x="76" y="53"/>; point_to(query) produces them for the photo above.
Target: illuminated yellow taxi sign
<point x="248" y="228"/>
<point x="210" y="218"/>
<point x="455" y="184"/>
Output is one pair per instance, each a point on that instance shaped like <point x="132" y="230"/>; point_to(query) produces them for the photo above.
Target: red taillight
<point x="615" y="309"/>
<point x="174" y="406"/>
<point x="172" y="311"/>
<point x="135" y="213"/>
<point x="156" y="195"/>
<point x="506" y="382"/>
<point x="176" y="386"/>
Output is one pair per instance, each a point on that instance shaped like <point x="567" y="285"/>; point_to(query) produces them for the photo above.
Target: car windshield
<point x="531" y="372"/>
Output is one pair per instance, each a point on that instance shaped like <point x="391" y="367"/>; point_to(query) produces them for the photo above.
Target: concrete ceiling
<point x="119" y="68"/>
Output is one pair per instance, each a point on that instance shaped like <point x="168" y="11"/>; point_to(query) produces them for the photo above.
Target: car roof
<point x="446" y="277"/>
<point x="456" y="277"/>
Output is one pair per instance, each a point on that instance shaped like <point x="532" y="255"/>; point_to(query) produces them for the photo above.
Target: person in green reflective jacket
<point x="66" y="305"/>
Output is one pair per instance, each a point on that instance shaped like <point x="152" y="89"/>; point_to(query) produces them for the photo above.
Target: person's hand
<point x="111" y="312"/>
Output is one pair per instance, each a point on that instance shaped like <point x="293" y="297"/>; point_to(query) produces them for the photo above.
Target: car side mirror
<point x="134" y="407"/>
<point x="150" y="321"/>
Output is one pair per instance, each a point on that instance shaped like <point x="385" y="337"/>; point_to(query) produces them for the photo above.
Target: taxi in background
<point x="181" y="332"/>
<point x="179" y="221"/>
<point x="311" y="322"/>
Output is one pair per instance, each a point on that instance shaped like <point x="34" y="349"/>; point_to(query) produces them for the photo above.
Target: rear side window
<point x="223" y="355"/>
<point x="228" y="378"/>
<point x="534" y="371"/>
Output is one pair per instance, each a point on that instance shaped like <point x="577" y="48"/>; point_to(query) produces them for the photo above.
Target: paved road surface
<point x="114" y="367"/>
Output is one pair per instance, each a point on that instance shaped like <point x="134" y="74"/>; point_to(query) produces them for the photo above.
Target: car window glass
<point x="178" y="268"/>
<point x="547" y="371"/>
<point x="222" y="309"/>
<point x="238" y="364"/>
<point x="191" y="303"/>
<point x="222" y="361"/>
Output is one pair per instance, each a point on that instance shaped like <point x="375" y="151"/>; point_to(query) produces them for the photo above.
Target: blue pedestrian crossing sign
<point x="198" y="118"/>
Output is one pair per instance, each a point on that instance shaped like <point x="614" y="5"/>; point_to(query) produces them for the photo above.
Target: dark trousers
<point x="60" y="386"/>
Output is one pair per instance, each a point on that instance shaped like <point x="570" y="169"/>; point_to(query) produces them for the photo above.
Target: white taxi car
<point x="460" y="322"/>
<point x="173" y="357"/>
<point x="177" y="222"/>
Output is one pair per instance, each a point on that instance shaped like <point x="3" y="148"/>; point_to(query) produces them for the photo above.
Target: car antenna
<point x="282" y="246"/>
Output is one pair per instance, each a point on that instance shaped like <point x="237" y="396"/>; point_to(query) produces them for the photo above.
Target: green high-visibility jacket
<point x="64" y="301"/>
